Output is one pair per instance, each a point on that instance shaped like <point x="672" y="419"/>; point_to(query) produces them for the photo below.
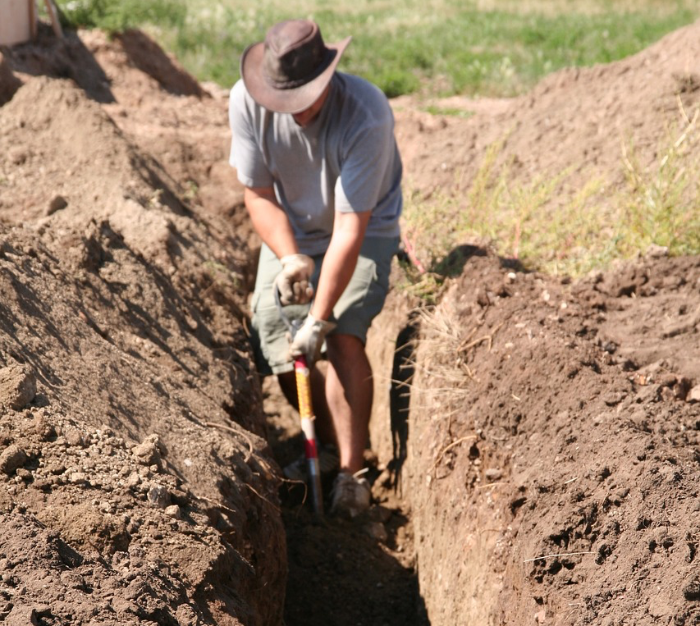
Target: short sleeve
<point x="368" y="161"/>
<point x="245" y="118"/>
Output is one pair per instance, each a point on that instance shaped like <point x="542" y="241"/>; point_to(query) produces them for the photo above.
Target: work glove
<point x="293" y="281"/>
<point x="308" y="340"/>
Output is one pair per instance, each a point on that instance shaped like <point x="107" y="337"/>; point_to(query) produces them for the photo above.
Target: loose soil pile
<point x="137" y="483"/>
<point x="550" y="463"/>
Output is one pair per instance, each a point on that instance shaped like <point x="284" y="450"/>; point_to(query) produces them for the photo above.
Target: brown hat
<point x="288" y="72"/>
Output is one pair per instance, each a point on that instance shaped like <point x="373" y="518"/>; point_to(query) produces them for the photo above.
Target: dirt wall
<point x="553" y="476"/>
<point x="136" y="483"/>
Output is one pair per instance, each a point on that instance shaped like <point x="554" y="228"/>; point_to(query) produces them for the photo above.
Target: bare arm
<point x="340" y="260"/>
<point x="270" y="221"/>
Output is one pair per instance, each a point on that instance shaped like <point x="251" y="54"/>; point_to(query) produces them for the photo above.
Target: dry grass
<point x="441" y="379"/>
<point x="551" y="227"/>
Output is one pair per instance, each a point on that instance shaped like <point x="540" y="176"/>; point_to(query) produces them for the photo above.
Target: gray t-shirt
<point x="346" y="160"/>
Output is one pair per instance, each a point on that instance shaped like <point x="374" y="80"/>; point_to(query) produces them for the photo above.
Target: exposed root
<point x="490" y="485"/>
<point x="551" y="556"/>
<point x="449" y="447"/>
<point x="241" y="432"/>
<point x="263" y="498"/>
<point x="215" y="504"/>
<point x="486" y="338"/>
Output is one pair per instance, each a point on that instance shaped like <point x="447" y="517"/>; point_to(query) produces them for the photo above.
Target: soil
<point x="535" y="440"/>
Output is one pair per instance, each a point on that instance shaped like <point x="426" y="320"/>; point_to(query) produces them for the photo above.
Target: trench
<point x="360" y="572"/>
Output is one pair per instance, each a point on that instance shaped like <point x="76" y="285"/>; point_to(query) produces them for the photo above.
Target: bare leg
<point x="323" y="423"/>
<point x="349" y="389"/>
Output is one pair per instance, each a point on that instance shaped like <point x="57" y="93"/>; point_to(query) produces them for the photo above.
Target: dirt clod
<point x="17" y="386"/>
<point x="12" y="458"/>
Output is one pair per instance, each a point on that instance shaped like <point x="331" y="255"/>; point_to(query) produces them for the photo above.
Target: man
<point x="316" y="152"/>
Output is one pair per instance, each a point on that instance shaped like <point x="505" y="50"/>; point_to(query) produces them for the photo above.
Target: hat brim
<point x="292" y="100"/>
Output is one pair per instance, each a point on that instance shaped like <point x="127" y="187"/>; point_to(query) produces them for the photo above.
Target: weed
<point x="191" y="190"/>
<point x="661" y="204"/>
<point x="547" y="228"/>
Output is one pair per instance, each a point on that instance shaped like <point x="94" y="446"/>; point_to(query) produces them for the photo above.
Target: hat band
<point x="298" y="82"/>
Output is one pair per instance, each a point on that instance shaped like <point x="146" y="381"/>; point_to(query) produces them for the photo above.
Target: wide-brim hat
<point x="288" y="71"/>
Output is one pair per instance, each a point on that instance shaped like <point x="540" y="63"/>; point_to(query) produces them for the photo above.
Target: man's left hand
<point x="308" y="340"/>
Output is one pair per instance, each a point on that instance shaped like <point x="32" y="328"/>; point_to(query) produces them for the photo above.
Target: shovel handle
<point x="306" y="412"/>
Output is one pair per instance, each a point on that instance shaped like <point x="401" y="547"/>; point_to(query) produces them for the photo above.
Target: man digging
<point x="316" y="152"/>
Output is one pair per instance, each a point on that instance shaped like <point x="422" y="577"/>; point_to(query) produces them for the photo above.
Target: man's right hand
<point x="294" y="281"/>
<point x="308" y="340"/>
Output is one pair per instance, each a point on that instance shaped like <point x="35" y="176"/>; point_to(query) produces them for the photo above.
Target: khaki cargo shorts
<point x="360" y="303"/>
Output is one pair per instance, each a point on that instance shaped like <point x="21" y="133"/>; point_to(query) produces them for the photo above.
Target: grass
<point x="661" y="205"/>
<point x="443" y="47"/>
<point x="434" y="109"/>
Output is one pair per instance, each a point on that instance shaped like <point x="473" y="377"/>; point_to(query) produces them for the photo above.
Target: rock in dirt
<point x="376" y="530"/>
<point x="22" y="616"/>
<point x="58" y="203"/>
<point x="73" y="437"/>
<point x="493" y="474"/>
<point x="148" y="451"/>
<point x="159" y="496"/>
<point x="173" y="511"/>
<point x="694" y="394"/>
<point x="43" y="428"/>
<point x="692" y="590"/>
<point x="17" y="386"/>
<point x="12" y="458"/>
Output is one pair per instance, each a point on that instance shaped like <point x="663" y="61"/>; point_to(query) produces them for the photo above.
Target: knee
<point x="347" y="352"/>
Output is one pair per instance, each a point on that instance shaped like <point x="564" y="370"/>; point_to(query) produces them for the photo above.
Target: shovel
<point x="302" y="374"/>
<point x="306" y="412"/>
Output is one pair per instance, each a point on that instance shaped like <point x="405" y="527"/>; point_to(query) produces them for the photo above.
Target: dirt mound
<point x="134" y="457"/>
<point x="551" y="455"/>
<point x="574" y="121"/>
<point x="557" y="447"/>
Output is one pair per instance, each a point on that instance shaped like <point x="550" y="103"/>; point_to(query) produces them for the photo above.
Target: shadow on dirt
<point x="340" y="575"/>
<point x="400" y="394"/>
<point x="342" y="572"/>
<point x="150" y="58"/>
<point x="61" y="58"/>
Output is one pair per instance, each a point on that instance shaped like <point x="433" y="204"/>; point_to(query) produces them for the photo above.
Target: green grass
<point x="444" y="47"/>
<point x="434" y="109"/>
<point x="113" y="15"/>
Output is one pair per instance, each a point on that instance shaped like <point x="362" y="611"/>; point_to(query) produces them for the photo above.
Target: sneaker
<point x="328" y="461"/>
<point x="350" y="495"/>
